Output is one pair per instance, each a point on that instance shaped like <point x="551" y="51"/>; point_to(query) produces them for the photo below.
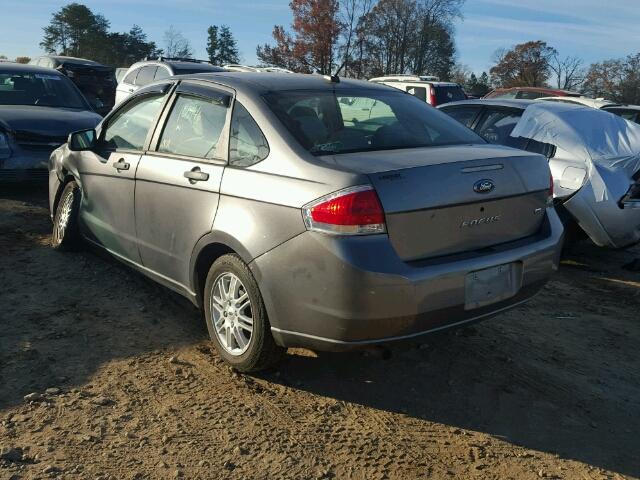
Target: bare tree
<point x="176" y="45"/>
<point x="568" y="71"/>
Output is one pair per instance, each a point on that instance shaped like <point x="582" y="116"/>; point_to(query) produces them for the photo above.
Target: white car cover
<point x="597" y="155"/>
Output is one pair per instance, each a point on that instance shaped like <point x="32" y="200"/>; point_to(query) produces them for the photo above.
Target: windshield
<point x="446" y="94"/>
<point x="327" y="122"/>
<point x="42" y="89"/>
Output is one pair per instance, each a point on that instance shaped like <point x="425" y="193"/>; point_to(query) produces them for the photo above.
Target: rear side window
<point x="194" y="128"/>
<point x="418" y="92"/>
<point x="465" y="115"/>
<point x="247" y="144"/>
<point x="146" y="75"/>
<point x="161" y="74"/>
<point x="496" y="126"/>
<point x="131" y="78"/>
<point x="448" y="94"/>
<point x="129" y="127"/>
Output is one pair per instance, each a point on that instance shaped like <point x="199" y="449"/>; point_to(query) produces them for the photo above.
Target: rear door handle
<point x="121" y="165"/>
<point x="196" y="175"/>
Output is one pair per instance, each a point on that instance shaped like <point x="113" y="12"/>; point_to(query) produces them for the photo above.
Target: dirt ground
<point x="122" y="383"/>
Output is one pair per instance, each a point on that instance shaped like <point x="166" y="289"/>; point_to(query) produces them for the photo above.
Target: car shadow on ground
<point x="560" y="374"/>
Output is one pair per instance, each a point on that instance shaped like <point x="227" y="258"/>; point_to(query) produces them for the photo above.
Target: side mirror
<point x="82" y="140"/>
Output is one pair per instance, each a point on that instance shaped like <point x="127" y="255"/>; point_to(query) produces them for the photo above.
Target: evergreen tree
<point x="213" y="44"/>
<point x="227" y="47"/>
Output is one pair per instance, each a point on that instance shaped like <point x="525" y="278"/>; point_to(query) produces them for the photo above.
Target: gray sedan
<point x="294" y="221"/>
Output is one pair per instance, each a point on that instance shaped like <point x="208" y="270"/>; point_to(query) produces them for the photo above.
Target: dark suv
<point x="96" y="81"/>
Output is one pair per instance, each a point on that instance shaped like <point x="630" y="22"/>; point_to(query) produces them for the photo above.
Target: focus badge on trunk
<point x="483" y="186"/>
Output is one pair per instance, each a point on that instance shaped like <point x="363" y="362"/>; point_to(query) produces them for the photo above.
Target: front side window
<point x="194" y="128"/>
<point x="325" y="122"/>
<point x="129" y="127"/>
<point x="247" y="144"/>
<point x="497" y="125"/>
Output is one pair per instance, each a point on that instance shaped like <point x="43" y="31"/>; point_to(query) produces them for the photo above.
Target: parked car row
<point x="313" y="211"/>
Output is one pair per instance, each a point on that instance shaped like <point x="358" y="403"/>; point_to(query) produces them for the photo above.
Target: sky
<point x="591" y="29"/>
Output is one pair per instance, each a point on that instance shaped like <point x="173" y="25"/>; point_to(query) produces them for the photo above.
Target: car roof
<point x="62" y="58"/>
<point x="264" y="82"/>
<point x="622" y="107"/>
<point x="180" y="64"/>
<point x="26" y="68"/>
<point x="495" y="102"/>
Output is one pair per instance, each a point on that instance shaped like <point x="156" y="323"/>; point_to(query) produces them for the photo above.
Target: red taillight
<point x="432" y="97"/>
<point x="352" y="211"/>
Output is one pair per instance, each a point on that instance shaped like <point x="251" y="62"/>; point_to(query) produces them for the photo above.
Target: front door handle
<point x="121" y="165"/>
<point x="196" y="175"/>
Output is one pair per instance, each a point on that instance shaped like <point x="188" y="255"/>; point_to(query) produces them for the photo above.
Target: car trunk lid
<point x="448" y="200"/>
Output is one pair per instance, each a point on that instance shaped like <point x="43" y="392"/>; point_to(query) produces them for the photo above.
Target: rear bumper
<point x="338" y="293"/>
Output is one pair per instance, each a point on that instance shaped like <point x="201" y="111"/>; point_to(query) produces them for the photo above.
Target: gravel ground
<point x="105" y="375"/>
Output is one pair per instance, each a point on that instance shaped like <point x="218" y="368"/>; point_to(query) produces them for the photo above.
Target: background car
<point x="424" y="88"/>
<point x="147" y="71"/>
<point x="120" y="73"/>
<point x="596" y="180"/>
<point x="586" y="101"/>
<point x="96" y="81"/>
<point x="251" y="195"/>
<point x="530" y="93"/>
<point x="39" y="108"/>
<point x="628" y="112"/>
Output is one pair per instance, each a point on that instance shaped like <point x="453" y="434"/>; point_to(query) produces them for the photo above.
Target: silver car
<point x="291" y="224"/>
<point x="594" y="157"/>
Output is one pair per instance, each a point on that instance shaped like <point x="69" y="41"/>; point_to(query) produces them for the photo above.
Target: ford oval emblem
<point x="483" y="186"/>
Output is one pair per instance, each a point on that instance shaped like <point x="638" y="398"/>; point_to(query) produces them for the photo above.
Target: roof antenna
<point x="332" y="78"/>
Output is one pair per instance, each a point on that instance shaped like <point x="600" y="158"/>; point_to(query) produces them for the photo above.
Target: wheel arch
<point x="67" y="177"/>
<point x="208" y="249"/>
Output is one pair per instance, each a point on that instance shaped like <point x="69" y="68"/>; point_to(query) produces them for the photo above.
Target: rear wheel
<point x="236" y="317"/>
<point x="65" y="234"/>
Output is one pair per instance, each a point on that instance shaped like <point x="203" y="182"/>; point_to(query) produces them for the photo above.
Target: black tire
<point x="262" y="351"/>
<point x="67" y="236"/>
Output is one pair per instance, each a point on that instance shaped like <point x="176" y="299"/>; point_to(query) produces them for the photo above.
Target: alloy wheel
<point x="231" y="312"/>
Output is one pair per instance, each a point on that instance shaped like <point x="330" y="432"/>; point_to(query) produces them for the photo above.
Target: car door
<point x="107" y="174"/>
<point x="178" y="180"/>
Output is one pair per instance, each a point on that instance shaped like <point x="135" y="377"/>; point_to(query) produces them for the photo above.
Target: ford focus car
<point x="292" y="223"/>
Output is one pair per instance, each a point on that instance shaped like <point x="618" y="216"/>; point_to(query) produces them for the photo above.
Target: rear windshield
<point x="43" y="89"/>
<point x="449" y="94"/>
<point x="329" y="122"/>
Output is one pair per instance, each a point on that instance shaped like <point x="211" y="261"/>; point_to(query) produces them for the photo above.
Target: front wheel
<point x="65" y="234"/>
<point x="236" y="317"/>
